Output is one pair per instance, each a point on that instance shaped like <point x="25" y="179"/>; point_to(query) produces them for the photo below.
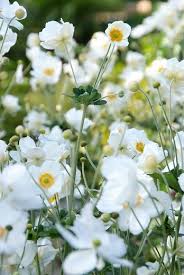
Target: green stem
<point x="74" y="169"/>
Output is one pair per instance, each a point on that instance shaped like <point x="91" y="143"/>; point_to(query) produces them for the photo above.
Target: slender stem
<point x="76" y="153"/>
<point x="70" y="62"/>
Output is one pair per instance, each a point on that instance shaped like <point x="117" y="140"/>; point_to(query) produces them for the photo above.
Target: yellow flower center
<point x="48" y="71"/>
<point x="139" y="200"/>
<point x="46" y="180"/>
<point x="140" y="147"/>
<point x="116" y="35"/>
<point x="111" y="97"/>
<point x="3" y="232"/>
<point x="125" y="205"/>
<point x="54" y="198"/>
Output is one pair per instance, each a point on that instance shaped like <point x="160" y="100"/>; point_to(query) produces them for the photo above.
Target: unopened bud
<point x="19" y="130"/>
<point x="106" y="217"/>
<point x="108" y="150"/>
<point x="13" y="139"/>
<point x="127" y="119"/>
<point x="83" y="144"/>
<point x="114" y="215"/>
<point x="20" y="13"/>
<point x="156" y="85"/>
<point x="42" y="131"/>
<point x="83" y="159"/>
<point x="58" y="108"/>
<point x="67" y="134"/>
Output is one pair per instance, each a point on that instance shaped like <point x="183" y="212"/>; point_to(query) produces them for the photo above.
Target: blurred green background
<point x="87" y="15"/>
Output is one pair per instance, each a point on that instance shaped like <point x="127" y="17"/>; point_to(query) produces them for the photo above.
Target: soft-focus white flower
<point x="50" y="177"/>
<point x="92" y="243"/>
<point x="11" y="13"/>
<point x="33" y="40"/>
<point x="12" y="227"/>
<point x="98" y="45"/>
<point x="56" y="36"/>
<point x="35" y="120"/>
<point x="19" y="74"/>
<point x="148" y="269"/>
<point x="3" y="151"/>
<point x="11" y="104"/>
<point x="46" y="69"/>
<point x="116" y="136"/>
<point x="74" y="118"/>
<point x="118" y="33"/>
<point x="151" y="157"/>
<point x="7" y="41"/>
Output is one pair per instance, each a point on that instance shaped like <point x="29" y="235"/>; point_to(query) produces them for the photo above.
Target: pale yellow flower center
<point x="139" y="200"/>
<point x="116" y="35"/>
<point x="140" y="147"/>
<point x="125" y="205"/>
<point x="46" y="180"/>
<point x="111" y="97"/>
<point x="3" y="232"/>
<point x="48" y="71"/>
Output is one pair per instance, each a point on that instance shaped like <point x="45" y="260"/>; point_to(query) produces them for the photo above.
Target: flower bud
<point x="83" y="144"/>
<point x="83" y="159"/>
<point x="20" y="13"/>
<point x="13" y="139"/>
<point x="67" y="134"/>
<point x="106" y="217"/>
<point x="19" y="130"/>
<point x="156" y="85"/>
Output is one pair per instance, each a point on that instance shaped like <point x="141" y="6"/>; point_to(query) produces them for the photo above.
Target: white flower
<point x="12" y="227"/>
<point x="19" y="187"/>
<point x="11" y="13"/>
<point x="92" y="243"/>
<point x="34" y="121"/>
<point x="135" y="60"/>
<point x="19" y="74"/>
<point x="50" y="177"/>
<point x="181" y="181"/>
<point x="3" y="151"/>
<point x="56" y="36"/>
<point x="11" y="103"/>
<point x="74" y="118"/>
<point x="148" y="269"/>
<point x="135" y="141"/>
<point x="33" y="40"/>
<point x="9" y="40"/>
<point x="98" y="45"/>
<point x="46" y="69"/>
<point x="118" y="33"/>
<point x="151" y="157"/>
<point x="116" y="136"/>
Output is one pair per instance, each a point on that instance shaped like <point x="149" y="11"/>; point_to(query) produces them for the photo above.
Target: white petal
<point x="80" y="262"/>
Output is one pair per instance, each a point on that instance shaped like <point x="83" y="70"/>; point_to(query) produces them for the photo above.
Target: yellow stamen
<point x="48" y="71"/>
<point x="116" y="35"/>
<point x="140" y="147"/>
<point x="46" y="180"/>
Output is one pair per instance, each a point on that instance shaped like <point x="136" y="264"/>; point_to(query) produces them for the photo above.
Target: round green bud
<point x="19" y="130"/>
<point x="13" y="139"/>
<point x="9" y="228"/>
<point x="114" y="215"/>
<point x="42" y="131"/>
<point x="156" y="85"/>
<point x="83" y="144"/>
<point x="106" y="217"/>
<point x="127" y="119"/>
<point x="83" y="159"/>
<point x="67" y="134"/>
<point x="121" y="94"/>
<point x="29" y="226"/>
<point x="20" y="14"/>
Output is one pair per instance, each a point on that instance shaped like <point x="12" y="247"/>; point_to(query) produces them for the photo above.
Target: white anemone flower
<point x="8" y="39"/>
<point x="35" y="120"/>
<point x="33" y="40"/>
<point x="56" y="36"/>
<point x="12" y="13"/>
<point x="46" y="69"/>
<point x="148" y="269"/>
<point x="151" y="157"/>
<point x="74" y="118"/>
<point x="11" y="104"/>
<point x="50" y="177"/>
<point x="23" y="194"/>
<point x="3" y="151"/>
<point x="12" y="227"/>
<point x="92" y="243"/>
<point x="118" y="33"/>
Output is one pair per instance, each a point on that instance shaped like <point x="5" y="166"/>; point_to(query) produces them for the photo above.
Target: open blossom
<point x="56" y="36"/>
<point x="46" y="69"/>
<point x="11" y="103"/>
<point x="118" y="33"/>
<point x="12" y="227"/>
<point x="74" y="117"/>
<point x="35" y="120"/>
<point x="92" y="243"/>
<point x="9" y="40"/>
<point x="12" y="13"/>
